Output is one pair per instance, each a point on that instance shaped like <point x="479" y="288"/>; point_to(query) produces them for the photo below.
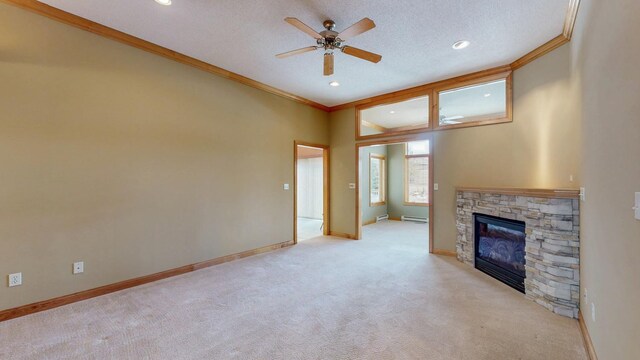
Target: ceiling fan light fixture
<point x="334" y="83"/>
<point x="459" y="45"/>
<point x="164" y="2"/>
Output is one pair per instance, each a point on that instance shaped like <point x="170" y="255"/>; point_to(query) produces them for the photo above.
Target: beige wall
<point x="131" y="162"/>
<point x="343" y="171"/>
<point x="539" y="149"/>
<point x="605" y="57"/>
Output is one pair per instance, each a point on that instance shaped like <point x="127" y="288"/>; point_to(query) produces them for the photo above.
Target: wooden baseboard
<point x="587" y="338"/>
<point x="103" y="290"/>
<point x="342" y="235"/>
<point x="368" y="222"/>
<point x="445" y="252"/>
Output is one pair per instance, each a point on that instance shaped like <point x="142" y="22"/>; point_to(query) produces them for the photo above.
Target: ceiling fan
<point x="329" y="40"/>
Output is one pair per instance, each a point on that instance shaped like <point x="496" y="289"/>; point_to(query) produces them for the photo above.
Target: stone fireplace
<point x="551" y="240"/>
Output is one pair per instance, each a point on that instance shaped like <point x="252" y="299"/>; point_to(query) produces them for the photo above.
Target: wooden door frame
<point x="325" y="186"/>
<point x="397" y="140"/>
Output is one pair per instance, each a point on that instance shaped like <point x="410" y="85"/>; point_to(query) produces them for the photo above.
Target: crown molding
<point x="541" y="50"/>
<point x="113" y="34"/>
<point x="570" y="19"/>
<point x="556" y="42"/>
<point x="110" y="33"/>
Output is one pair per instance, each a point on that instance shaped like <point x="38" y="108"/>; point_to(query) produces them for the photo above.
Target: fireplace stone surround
<point x="552" y="251"/>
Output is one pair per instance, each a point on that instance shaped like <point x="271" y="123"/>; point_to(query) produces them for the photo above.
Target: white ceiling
<point x="414" y="37"/>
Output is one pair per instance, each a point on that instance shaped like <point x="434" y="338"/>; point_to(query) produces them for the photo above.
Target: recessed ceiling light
<point x="458" y="45"/>
<point x="164" y="2"/>
<point x="487" y="95"/>
<point x="392" y="112"/>
<point x="334" y="83"/>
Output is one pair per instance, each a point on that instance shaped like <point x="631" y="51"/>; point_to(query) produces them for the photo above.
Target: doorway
<point x="394" y="189"/>
<point x="311" y="191"/>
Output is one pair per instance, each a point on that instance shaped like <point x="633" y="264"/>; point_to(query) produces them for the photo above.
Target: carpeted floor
<point x="383" y="297"/>
<point x="308" y="228"/>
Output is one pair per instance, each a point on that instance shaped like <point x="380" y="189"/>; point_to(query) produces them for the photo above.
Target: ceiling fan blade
<point x="356" y="29"/>
<point x="296" y="52"/>
<point x="303" y="27"/>
<point x="328" y="64"/>
<point x="359" y="53"/>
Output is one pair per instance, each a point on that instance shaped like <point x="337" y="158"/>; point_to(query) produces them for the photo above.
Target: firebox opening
<point x="500" y="249"/>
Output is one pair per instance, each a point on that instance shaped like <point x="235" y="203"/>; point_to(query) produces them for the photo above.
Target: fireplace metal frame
<point x="510" y="278"/>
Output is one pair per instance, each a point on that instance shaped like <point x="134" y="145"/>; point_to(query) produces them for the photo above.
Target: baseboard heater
<point x="414" y="218"/>
<point x="382" y="217"/>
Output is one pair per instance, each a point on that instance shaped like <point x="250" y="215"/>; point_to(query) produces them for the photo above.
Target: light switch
<point x="286" y="186"/>
<point x="435" y="186"/>
<point x="352" y="185"/>
<point x="583" y="195"/>
<point x="637" y="207"/>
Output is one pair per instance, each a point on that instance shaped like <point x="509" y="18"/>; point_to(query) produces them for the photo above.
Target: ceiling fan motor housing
<point x="330" y="38"/>
<point x="329" y="24"/>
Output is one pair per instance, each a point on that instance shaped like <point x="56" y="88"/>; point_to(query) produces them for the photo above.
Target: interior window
<point x="416" y="187"/>
<point x="377" y="176"/>
<point x="473" y="104"/>
<point x="408" y="115"/>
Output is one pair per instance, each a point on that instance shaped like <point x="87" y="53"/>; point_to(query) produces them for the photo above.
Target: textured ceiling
<point x="414" y="37"/>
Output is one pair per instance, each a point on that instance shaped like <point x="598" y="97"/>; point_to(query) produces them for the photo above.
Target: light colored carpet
<point x="383" y="297"/>
<point x="308" y="228"/>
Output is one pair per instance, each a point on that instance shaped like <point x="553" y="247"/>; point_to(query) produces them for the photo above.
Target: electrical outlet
<point x="593" y="312"/>
<point x="570" y="178"/>
<point x="15" y="279"/>
<point x="78" y="267"/>
<point x="352" y="185"/>
<point x="285" y="186"/>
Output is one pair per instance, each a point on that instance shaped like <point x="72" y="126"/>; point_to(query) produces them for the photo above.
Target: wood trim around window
<point x="383" y="179"/>
<point x="480" y="121"/>
<point x="403" y="130"/>
<point x="432" y="90"/>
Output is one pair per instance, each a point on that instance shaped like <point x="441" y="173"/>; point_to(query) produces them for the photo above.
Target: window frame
<point x="406" y="176"/>
<point x="383" y="179"/>
<point x="433" y="91"/>
<point x="507" y="76"/>
<point x="399" y="130"/>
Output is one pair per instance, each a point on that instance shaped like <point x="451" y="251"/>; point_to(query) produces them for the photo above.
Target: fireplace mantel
<point x="532" y="192"/>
